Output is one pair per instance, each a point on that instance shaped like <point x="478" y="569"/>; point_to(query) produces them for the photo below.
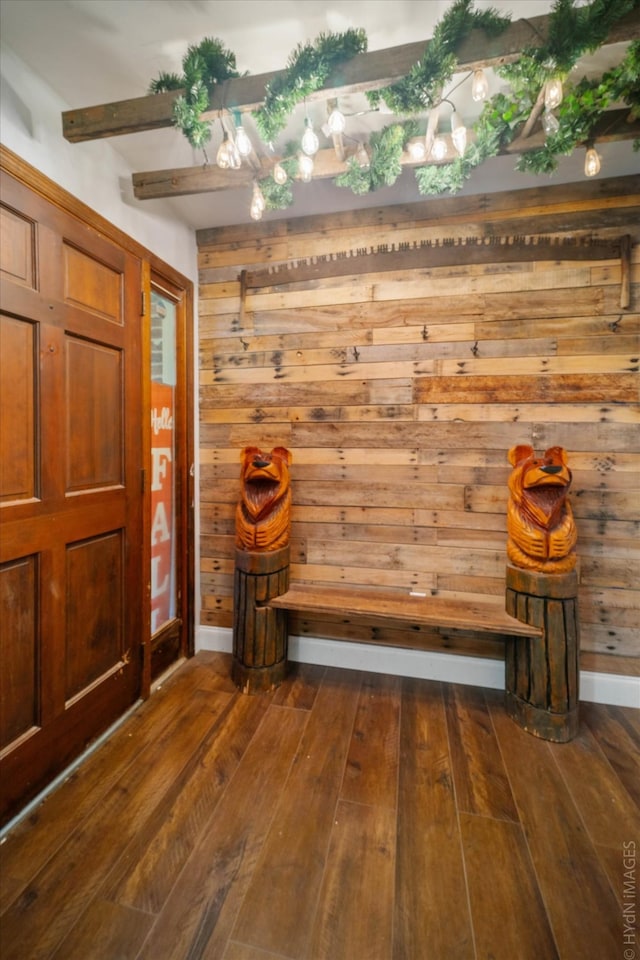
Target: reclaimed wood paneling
<point x="400" y="393"/>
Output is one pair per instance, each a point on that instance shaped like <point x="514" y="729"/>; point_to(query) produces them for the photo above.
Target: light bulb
<point x="458" y="134"/>
<point x="591" y="163"/>
<point x="417" y="150"/>
<point x="362" y="157"/>
<point x="553" y="94"/>
<point x="235" y="160"/>
<point x="279" y="174"/>
<point x="550" y="123"/>
<point x="336" y="121"/>
<point x="223" y="158"/>
<point x="310" y="142"/>
<point x="305" y="167"/>
<point x="255" y="211"/>
<point x="479" y="86"/>
<point x="439" y="148"/>
<point x="257" y="198"/>
<point x="243" y="143"/>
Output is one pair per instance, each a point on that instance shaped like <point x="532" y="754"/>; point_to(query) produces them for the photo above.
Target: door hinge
<point x="143" y="302"/>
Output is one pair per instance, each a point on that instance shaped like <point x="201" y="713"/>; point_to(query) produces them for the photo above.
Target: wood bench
<point x="537" y="619"/>
<point x="485" y="615"/>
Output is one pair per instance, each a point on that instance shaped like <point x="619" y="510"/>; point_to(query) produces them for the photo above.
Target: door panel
<point x="95" y="616"/>
<point x="17" y="253"/>
<point x="91" y="285"/>
<point x="17" y="413"/>
<point x="95" y="417"/>
<point x="71" y="493"/>
<point x="18" y="648"/>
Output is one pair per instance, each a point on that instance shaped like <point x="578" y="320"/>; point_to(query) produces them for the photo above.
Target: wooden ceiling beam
<point x="183" y="181"/>
<point x="366" y="71"/>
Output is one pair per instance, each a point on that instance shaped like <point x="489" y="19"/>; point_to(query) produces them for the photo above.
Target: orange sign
<point x="162" y="443"/>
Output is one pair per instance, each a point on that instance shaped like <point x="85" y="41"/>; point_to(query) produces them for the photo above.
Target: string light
<point x="550" y="123"/>
<point x="305" y="167"/>
<point x="310" y="143"/>
<point x="258" y="203"/>
<point x="243" y="143"/>
<point x="553" y="94"/>
<point x="224" y="156"/>
<point x="438" y="149"/>
<point x="592" y="162"/>
<point x="417" y="150"/>
<point x="436" y="146"/>
<point x="479" y="86"/>
<point x="280" y="174"/>
<point x="458" y="134"/>
<point x="234" y="153"/>
<point x="362" y="156"/>
<point x="336" y="121"/>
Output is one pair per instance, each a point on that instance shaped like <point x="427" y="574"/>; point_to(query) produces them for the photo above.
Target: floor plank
<point x="143" y="878"/>
<point x="371" y="773"/>
<point x="564" y="858"/>
<point x="614" y="730"/>
<point x="301" y="686"/>
<point x="355" y="913"/>
<point x="504" y="894"/>
<point x="199" y="914"/>
<point x="482" y="784"/>
<point x="608" y="812"/>
<point x="430" y="872"/>
<point x="107" y="931"/>
<point x="278" y="910"/>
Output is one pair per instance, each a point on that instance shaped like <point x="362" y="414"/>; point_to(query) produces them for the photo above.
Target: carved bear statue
<point x="541" y="530"/>
<point x="263" y="514"/>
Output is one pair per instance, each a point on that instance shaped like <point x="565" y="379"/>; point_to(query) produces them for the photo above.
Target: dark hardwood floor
<point x="346" y="816"/>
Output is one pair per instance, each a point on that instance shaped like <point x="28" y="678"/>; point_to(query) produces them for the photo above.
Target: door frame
<point x="160" y="277"/>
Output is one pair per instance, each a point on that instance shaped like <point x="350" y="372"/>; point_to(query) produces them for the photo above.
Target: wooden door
<point x="70" y="489"/>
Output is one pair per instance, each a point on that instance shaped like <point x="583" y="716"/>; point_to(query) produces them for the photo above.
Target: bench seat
<point x="484" y="615"/>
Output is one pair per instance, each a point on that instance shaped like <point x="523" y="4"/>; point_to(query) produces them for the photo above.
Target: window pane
<point x="163" y="384"/>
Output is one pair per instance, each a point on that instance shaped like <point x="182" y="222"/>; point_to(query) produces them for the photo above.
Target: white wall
<point x="94" y="172"/>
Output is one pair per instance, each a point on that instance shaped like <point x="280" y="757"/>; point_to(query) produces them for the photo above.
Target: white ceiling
<point x="98" y="51"/>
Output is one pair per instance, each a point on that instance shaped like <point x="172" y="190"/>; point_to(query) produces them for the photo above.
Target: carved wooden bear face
<point x="542" y="533"/>
<point x="263" y="513"/>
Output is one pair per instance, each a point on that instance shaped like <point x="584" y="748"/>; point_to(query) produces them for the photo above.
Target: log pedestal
<point x="542" y="674"/>
<point x="259" y="632"/>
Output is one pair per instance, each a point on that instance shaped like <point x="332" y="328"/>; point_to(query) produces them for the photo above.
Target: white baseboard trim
<point x="609" y="688"/>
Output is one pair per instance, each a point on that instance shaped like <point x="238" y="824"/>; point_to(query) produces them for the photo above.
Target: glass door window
<point x="164" y="582"/>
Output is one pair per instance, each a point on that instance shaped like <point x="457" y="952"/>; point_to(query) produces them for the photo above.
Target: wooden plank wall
<point x="399" y="394"/>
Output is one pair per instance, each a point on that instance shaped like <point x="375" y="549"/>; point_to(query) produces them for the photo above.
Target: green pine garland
<point x="581" y="108"/>
<point x="573" y="31"/>
<point x="385" y="167"/>
<point x="279" y="196"/>
<point x="309" y="66"/>
<point x="204" y="65"/>
<point x="491" y="132"/>
<point x="421" y="89"/>
<point x="166" y="81"/>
